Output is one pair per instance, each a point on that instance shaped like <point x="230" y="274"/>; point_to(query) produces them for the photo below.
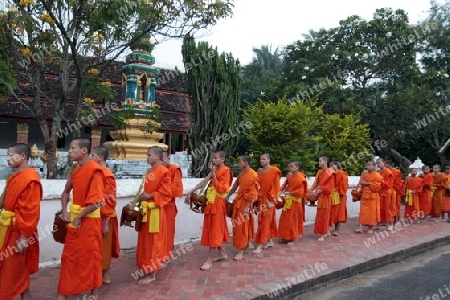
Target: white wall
<point x="188" y="224"/>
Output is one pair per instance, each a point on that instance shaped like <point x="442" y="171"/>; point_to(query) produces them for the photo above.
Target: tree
<point x="81" y="38"/>
<point x="214" y="87"/>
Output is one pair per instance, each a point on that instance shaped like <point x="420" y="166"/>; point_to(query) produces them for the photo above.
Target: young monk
<point x="425" y="194"/>
<point x="295" y="189"/>
<point x="439" y="180"/>
<point x="386" y="201"/>
<point x="269" y="189"/>
<point x="151" y="249"/>
<point x="215" y="229"/>
<point x="338" y="198"/>
<point x="83" y="243"/>
<point x="445" y="197"/>
<point x="325" y="182"/>
<point x="110" y="224"/>
<point x="413" y="185"/>
<point x="177" y="191"/>
<point x="242" y="219"/>
<point x="398" y="190"/>
<point x="370" y="181"/>
<point x="18" y="229"/>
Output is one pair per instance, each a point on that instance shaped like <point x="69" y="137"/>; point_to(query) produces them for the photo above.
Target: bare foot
<point x="336" y="233"/>
<point x="321" y="239"/>
<point x="290" y="243"/>
<point x="250" y="245"/>
<point x="357" y="230"/>
<point x="222" y="256"/>
<point x="106" y="276"/>
<point x="239" y="256"/>
<point x="370" y="231"/>
<point x="300" y="236"/>
<point x="206" y="266"/>
<point x="149" y="278"/>
<point x="268" y="245"/>
<point x="257" y="250"/>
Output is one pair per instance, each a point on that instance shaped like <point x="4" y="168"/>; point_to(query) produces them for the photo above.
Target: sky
<point x="280" y="23"/>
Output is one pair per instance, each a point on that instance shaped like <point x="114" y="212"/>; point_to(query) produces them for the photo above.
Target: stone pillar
<point x="96" y="136"/>
<point x="22" y="133"/>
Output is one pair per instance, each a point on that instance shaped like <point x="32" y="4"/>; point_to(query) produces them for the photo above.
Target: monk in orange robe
<point x="294" y="189"/>
<point x="386" y="202"/>
<point x="338" y="198"/>
<point x="370" y="181"/>
<point x="248" y="183"/>
<point x="425" y="194"/>
<point x="19" y="242"/>
<point x="82" y="254"/>
<point x="398" y="190"/>
<point x="151" y="252"/>
<point x="171" y="208"/>
<point x="413" y="185"/>
<point x="325" y="182"/>
<point x="215" y="229"/>
<point x="269" y="189"/>
<point x="446" y="196"/>
<point x="438" y="189"/>
<point x="110" y="224"/>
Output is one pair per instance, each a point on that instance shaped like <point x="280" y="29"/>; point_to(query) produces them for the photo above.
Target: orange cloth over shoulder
<point x="425" y="194"/>
<point x="368" y="214"/>
<point x="110" y="244"/>
<point x="439" y="181"/>
<point x="269" y="189"/>
<point x="81" y="260"/>
<point x="23" y="196"/>
<point x="171" y="208"/>
<point x="339" y="211"/>
<point x="215" y="229"/>
<point x="152" y="246"/>
<point x="242" y="219"/>
<point x="412" y="211"/>
<point x="326" y="183"/>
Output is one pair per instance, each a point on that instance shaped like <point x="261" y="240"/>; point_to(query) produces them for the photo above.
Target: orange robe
<point x="368" y="210"/>
<point x="412" y="206"/>
<point x="152" y="246"/>
<point x="23" y="196"/>
<point x="291" y="219"/>
<point x="425" y="194"/>
<point x="215" y="229"/>
<point x="326" y="182"/>
<point x="339" y="211"/>
<point x="171" y="208"/>
<point x="81" y="260"/>
<point x="110" y="242"/>
<point x="397" y="191"/>
<point x="446" y="199"/>
<point x="269" y="188"/>
<point x="439" y="182"/>
<point x="386" y="206"/>
<point x="248" y="192"/>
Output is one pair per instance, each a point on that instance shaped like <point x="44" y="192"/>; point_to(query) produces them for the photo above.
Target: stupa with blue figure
<point x="139" y="111"/>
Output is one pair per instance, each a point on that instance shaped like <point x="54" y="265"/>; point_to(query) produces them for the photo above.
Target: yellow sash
<point x="289" y="199"/>
<point x="409" y="197"/>
<point x="153" y="226"/>
<point x="335" y="199"/>
<point x="6" y="219"/>
<point x="432" y="189"/>
<point x="76" y="209"/>
<point x="211" y="195"/>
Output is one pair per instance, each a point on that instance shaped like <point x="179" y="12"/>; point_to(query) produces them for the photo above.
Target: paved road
<point x="423" y="277"/>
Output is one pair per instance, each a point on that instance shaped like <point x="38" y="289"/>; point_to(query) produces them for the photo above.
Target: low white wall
<point x="188" y="224"/>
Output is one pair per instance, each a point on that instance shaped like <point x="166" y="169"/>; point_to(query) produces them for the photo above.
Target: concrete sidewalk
<point x="279" y="272"/>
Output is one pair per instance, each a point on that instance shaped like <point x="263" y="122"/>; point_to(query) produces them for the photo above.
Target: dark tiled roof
<point x="170" y="95"/>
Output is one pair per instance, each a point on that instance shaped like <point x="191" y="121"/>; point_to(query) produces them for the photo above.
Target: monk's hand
<point x="22" y="244"/>
<point x="65" y="215"/>
<point x="187" y="199"/>
<point x="144" y="196"/>
<point x="76" y="221"/>
<point x="105" y="229"/>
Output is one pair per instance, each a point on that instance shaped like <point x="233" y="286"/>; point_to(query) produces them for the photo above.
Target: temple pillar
<point x="22" y="133"/>
<point x="96" y="136"/>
